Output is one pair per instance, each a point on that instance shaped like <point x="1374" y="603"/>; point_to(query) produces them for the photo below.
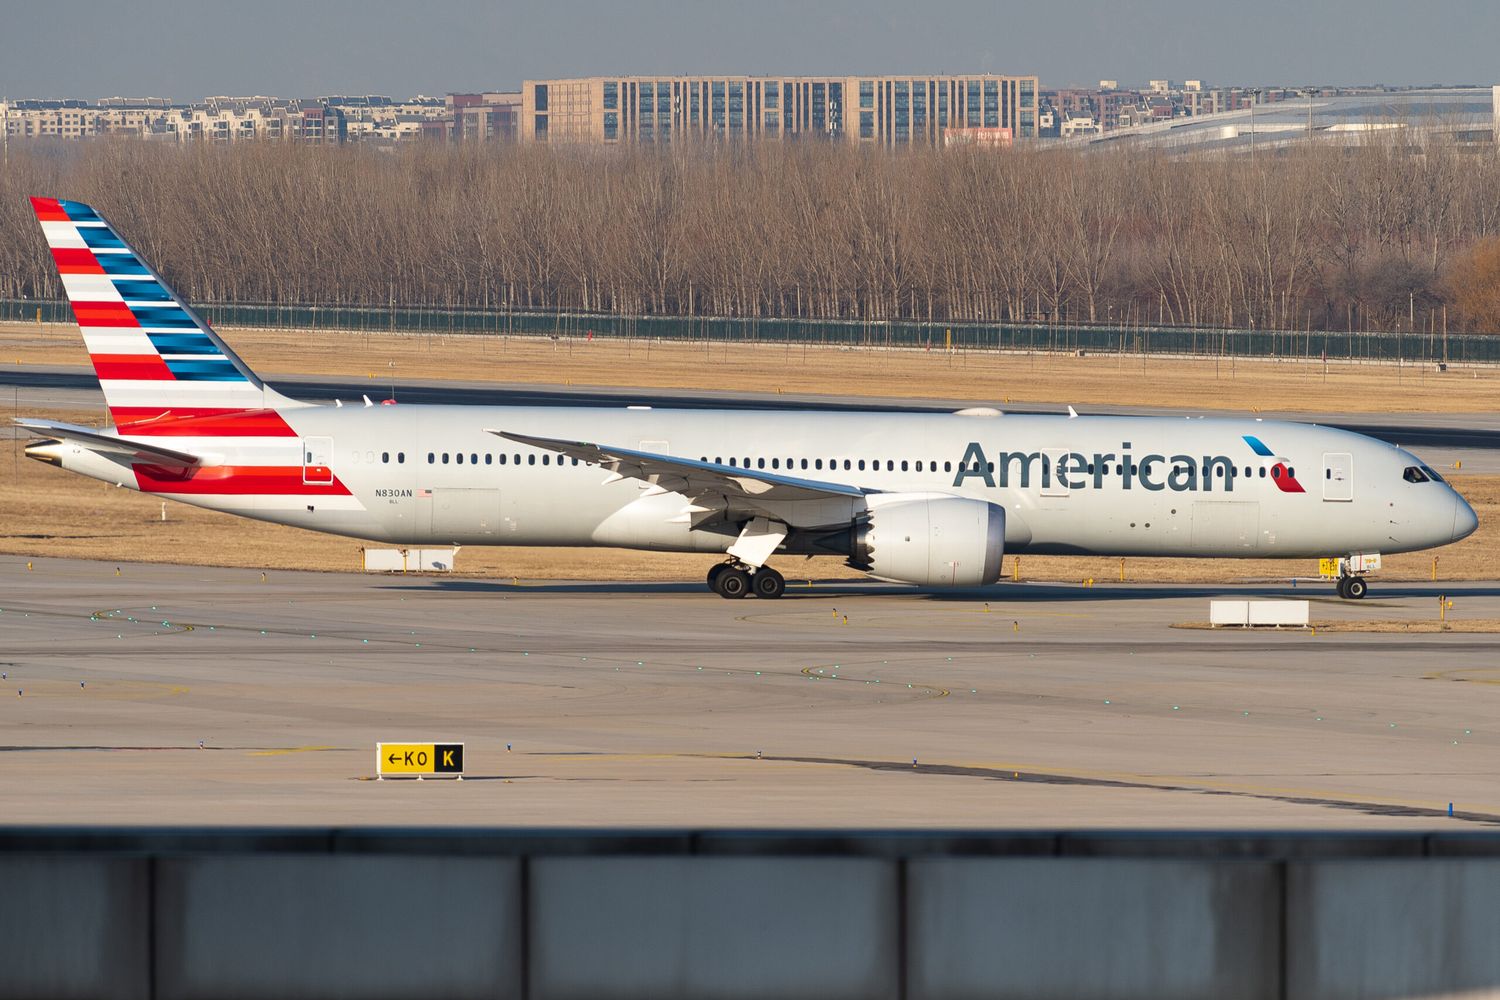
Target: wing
<point x="90" y="438"/>
<point x="753" y="491"/>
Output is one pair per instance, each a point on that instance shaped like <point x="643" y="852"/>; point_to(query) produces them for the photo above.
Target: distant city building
<point x="1109" y="84"/>
<point x="880" y="110"/>
<point x="991" y="138"/>
<point x="488" y="117"/>
<point x="217" y="119"/>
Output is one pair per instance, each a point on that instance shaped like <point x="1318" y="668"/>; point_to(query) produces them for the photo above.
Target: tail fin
<point x="152" y="353"/>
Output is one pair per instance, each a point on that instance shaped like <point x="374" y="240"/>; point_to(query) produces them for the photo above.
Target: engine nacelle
<point x="930" y="539"/>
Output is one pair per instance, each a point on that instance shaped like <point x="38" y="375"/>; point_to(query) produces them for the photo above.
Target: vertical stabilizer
<point x="154" y="356"/>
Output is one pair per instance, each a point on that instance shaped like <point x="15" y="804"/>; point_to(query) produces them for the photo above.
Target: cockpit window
<point x="1432" y="474"/>
<point x="1414" y="474"/>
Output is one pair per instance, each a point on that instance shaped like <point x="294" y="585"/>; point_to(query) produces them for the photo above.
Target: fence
<point x="1457" y="348"/>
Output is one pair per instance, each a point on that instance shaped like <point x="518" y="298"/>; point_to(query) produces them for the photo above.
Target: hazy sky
<point x="303" y="48"/>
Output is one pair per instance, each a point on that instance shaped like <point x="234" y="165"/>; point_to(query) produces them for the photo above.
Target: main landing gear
<point x="733" y="581"/>
<point x="1352" y="588"/>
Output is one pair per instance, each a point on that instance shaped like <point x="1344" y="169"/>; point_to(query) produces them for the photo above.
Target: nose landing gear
<point x="734" y="581"/>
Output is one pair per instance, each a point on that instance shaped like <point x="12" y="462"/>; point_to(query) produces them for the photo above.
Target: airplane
<point x="927" y="499"/>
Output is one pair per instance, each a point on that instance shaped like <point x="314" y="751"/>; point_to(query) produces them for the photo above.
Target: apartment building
<point x="217" y="119"/>
<point x="879" y="110"/>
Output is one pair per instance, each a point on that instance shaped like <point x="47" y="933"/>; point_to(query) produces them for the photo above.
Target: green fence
<point x="1198" y="341"/>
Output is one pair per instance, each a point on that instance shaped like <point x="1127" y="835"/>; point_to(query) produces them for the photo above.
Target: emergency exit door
<point x="317" y="461"/>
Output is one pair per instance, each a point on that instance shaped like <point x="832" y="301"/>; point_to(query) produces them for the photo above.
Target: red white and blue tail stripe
<point x="211" y="433"/>
<point x="152" y="353"/>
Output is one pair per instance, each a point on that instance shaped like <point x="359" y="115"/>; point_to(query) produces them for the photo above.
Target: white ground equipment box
<point x="1293" y="614"/>
<point x="424" y="560"/>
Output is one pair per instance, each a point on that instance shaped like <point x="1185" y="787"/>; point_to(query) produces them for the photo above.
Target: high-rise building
<point x="885" y="110"/>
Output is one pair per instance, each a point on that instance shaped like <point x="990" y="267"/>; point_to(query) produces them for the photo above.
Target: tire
<point x="768" y="584"/>
<point x="1356" y="588"/>
<point x="1342" y="587"/>
<point x="713" y="575"/>
<point x="732" y="584"/>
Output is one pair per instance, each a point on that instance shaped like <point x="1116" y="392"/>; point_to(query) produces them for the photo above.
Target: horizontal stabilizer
<point x="91" y="439"/>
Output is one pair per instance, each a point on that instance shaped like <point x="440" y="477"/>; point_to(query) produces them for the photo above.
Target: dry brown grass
<point x="1101" y="380"/>
<point x="49" y="512"/>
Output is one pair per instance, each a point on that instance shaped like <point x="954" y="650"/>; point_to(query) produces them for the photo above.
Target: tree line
<point x="1384" y="235"/>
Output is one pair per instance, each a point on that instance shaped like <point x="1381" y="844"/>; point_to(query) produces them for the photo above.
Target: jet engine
<point x="929" y="539"/>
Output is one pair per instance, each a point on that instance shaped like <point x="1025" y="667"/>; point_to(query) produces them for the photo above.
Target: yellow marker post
<point x="1015" y="569"/>
<point x="419" y="759"/>
<point x="1434" y="567"/>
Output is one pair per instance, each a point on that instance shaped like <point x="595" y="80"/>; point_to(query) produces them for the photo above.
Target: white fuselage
<point x="1086" y="485"/>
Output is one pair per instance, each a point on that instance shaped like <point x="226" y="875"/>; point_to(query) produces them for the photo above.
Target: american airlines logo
<point x="1074" y="470"/>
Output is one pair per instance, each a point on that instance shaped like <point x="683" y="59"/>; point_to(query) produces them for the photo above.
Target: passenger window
<point x="473" y="458"/>
<point x="546" y="459"/>
<point x="846" y="465"/>
<point x="760" y="463"/>
<point x="489" y="459"/>
<point x="431" y="458"/>
<point x="460" y="457"/>
<point x="385" y="458"/>
<point x="818" y="464"/>
<point x="445" y="458"/>
<point x="775" y="463"/>
<point x="400" y="458"/>
<point x="861" y="465"/>
<point x="1263" y="472"/>
<point x="502" y="458"/>
<point x="903" y="465"/>
<point x="947" y="466"/>
<point x="530" y="459"/>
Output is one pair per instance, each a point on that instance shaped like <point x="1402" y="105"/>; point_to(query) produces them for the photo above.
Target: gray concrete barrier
<point x="74" y="926"/>
<point x="554" y="915"/>
<point x="714" y="927"/>
<point x="289" y="926"/>
<point x="1393" y="928"/>
<point x="1069" y="928"/>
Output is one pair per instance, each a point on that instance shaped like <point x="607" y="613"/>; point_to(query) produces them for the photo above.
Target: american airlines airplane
<point x="929" y="499"/>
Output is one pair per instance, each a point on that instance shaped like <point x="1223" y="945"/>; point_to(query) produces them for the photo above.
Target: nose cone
<point x="1464" y="518"/>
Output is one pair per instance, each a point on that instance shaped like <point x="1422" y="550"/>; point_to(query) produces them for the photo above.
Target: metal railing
<point x="1310" y="345"/>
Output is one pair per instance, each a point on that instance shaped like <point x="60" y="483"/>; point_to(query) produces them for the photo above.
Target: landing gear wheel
<point x="714" y="573"/>
<point x="732" y="583"/>
<point x="1341" y="587"/>
<point x="1355" y="588"/>
<point x="768" y="583"/>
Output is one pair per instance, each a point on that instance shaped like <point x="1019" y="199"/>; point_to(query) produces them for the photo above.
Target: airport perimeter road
<point x="609" y="704"/>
